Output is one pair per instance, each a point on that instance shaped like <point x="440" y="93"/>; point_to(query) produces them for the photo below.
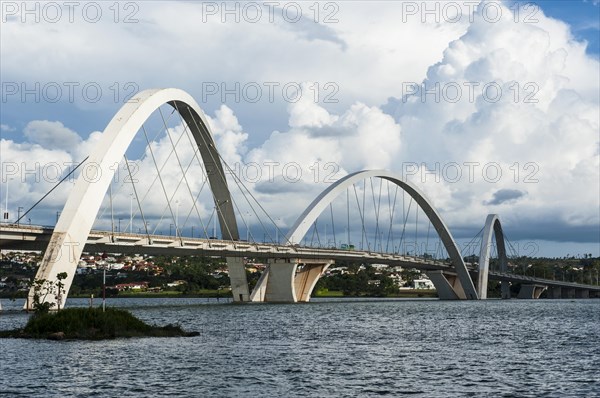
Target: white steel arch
<point x="492" y="225"/>
<point x="312" y="212"/>
<point x="78" y="215"/>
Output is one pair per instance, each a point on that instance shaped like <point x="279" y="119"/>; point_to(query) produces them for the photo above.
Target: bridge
<point x="36" y="238"/>
<point x="293" y="267"/>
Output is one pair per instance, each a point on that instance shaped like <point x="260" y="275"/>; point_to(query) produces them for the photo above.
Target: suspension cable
<point x="405" y="220"/>
<point x="362" y="218"/>
<point x="50" y="191"/>
<point x="332" y="225"/>
<point x="136" y="197"/>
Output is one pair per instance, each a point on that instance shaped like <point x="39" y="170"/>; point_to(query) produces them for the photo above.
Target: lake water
<point x="337" y="348"/>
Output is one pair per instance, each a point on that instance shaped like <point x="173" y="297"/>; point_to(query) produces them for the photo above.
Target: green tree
<point x="43" y="288"/>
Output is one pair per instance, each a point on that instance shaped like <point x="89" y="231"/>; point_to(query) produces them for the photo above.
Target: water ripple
<point x="367" y="348"/>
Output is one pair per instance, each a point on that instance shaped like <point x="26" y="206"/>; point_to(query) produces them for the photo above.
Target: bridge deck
<point x="33" y="237"/>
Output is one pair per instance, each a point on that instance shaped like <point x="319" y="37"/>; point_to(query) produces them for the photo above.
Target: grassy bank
<point x="404" y="293"/>
<point x="208" y="293"/>
<point x="203" y="293"/>
<point x="91" y="324"/>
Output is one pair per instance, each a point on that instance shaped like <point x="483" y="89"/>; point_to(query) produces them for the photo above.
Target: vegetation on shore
<point x="206" y="277"/>
<point x="91" y="324"/>
<point x="403" y="293"/>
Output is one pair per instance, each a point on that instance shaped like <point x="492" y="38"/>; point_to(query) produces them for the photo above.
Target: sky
<point x="488" y="107"/>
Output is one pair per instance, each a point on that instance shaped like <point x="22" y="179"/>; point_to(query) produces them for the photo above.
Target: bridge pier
<point x="568" y="293"/>
<point x="505" y="290"/>
<point x="582" y="293"/>
<point x="554" y="292"/>
<point x="280" y="282"/>
<point x="239" y="282"/>
<point x="448" y="285"/>
<point x="288" y="280"/>
<point x="306" y="278"/>
<point x="532" y="291"/>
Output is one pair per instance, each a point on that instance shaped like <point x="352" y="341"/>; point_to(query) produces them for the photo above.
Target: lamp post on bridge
<point x="131" y="213"/>
<point x="215" y="222"/>
<point x="19" y="209"/>
<point x="177" y="218"/>
<point x="104" y="288"/>
<point x="5" y="216"/>
<point x="248" y="227"/>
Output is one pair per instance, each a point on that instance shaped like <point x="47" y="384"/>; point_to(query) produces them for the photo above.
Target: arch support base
<point x="307" y="275"/>
<point x="447" y="285"/>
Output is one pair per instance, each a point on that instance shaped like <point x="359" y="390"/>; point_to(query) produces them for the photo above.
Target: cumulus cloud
<point x="540" y="134"/>
<point x="228" y="133"/>
<point x="361" y="49"/>
<point x="51" y="135"/>
<point x="505" y="195"/>
<point x="6" y="128"/>
<point x="503" y="117"/>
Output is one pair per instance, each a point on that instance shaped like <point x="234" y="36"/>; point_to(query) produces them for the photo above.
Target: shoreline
<point x="408" y="293"/>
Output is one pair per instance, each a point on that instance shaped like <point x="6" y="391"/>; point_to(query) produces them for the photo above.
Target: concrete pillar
<point x="568" y="292"/>
<point x="306" y="278"/>
<point x="447" y="285"/>
<point x="554" y="292"/>
<point x="288" y="280"/>
<point x="582" y="293"/>
<point x="260" y="290"/>
<point x="239" y="282"/>
<point x="532" y="291"/>
<point x="505" y="289"/>
<point x="280" y="283"/>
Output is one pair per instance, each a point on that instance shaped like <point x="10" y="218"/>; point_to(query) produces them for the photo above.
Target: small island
<point x="91" y="324"/>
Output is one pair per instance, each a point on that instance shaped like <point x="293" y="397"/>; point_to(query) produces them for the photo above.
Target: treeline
<point x="198" y="273"/>
<point x="364" y="281"/>
<point x="584" y="270"/>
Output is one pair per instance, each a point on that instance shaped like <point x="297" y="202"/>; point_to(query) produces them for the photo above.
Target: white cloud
<point x="51" y="135"/>
<point x="228" y="134"/>
<point x="366" y="53"/>
<point x="547" y="149"/>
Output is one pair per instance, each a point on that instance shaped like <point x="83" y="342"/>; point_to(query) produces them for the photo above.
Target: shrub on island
<point x="91" y="324"/>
